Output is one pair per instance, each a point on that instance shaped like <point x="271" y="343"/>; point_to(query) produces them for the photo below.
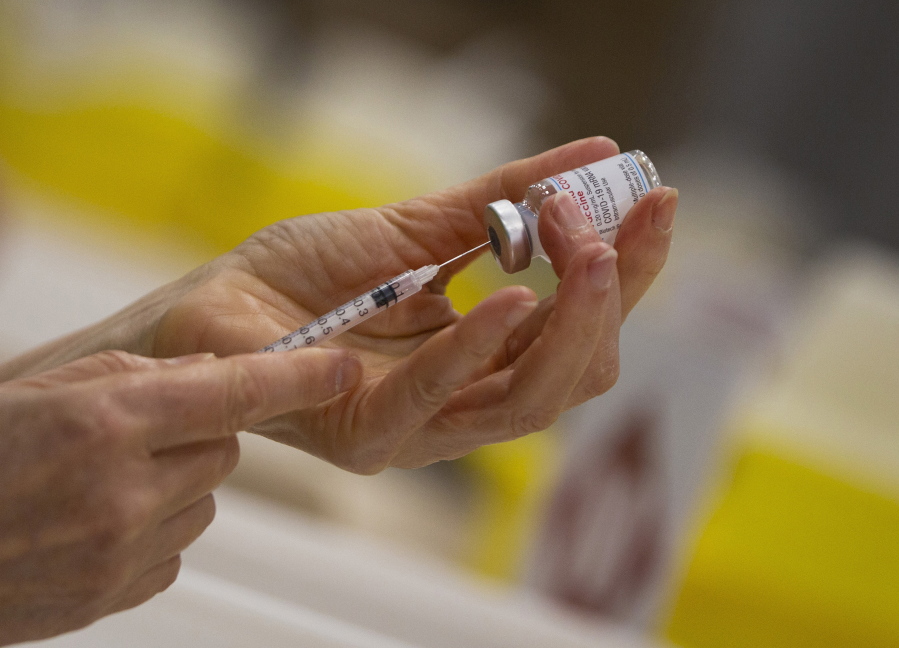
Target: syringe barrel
<point x="350" y="314"/>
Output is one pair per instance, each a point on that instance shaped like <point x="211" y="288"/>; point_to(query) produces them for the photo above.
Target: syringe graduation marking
<point x="355" y="311"/>
<point x="359" y="309"/>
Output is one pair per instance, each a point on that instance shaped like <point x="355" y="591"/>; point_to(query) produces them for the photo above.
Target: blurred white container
<point x="265" y="576"/>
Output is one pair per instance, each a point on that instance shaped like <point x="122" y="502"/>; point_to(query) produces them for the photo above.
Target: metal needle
<point x="474" y="249"/>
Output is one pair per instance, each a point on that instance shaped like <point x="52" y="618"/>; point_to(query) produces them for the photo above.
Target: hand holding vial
<point x="435" y="384"/>
<point x="414" y="384"/>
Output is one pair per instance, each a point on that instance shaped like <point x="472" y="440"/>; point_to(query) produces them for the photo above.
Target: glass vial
<point x="605" y="191"/>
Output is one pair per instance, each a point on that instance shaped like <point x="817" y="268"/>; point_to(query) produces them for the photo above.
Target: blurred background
<point x="738" y="487"/>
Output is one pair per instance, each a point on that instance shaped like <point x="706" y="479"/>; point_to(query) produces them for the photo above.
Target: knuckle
<point x="361" y="453"/>
<point x="109" y="422"/>
<point x="123" y="518"/>
<point x="230" y="455"/>
<point x="89" y="420"/>
<point x="651" y="269"/>
<point x="243" y="395"/>
<point x="426" y="394"/>
<point x="647" y="266"/>
<point x="170" y="569"/>
<point x="603" y="378"/>
<point x="104" y="419"/>
<point x="367" y="469"/>
<point x="116" y="360"/>
<point x="470" y="344"/>
<point x="366" y="464"/>
<point x="205" y="512"/>
<point x="105" y="577"/>
<point x="611" y="375"/>
<point x="533" y="420"/>
<point x="586" y="329"/>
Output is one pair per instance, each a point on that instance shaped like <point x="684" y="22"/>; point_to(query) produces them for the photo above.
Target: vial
<point x="605" y="191"/>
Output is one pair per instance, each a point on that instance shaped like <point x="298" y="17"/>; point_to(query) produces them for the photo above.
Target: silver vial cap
<point x="509" y="238"/>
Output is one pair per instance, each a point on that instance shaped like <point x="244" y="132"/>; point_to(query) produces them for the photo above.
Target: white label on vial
<point x="605" y="191"/>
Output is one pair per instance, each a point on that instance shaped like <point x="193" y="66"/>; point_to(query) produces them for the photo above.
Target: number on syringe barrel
<point x="340" y="312"/>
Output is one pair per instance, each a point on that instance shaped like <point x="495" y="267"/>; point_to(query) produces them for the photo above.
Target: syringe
<point x="363" y="307"/>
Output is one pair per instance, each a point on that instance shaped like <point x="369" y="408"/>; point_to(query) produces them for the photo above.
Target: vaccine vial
<point x="605" y="191"/>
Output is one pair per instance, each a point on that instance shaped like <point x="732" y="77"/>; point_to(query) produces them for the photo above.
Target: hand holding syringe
<point x="432" y="384"/>
<point x="363" y="307"/>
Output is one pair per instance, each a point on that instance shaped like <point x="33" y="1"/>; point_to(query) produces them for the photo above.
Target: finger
<point x="187" y="473"/>
<point x="586" y="314"/>
<point x="155" y="580"/>
<point x="413" y="392"/>
<point x="207" y="400"/>
<point x="510" y="180"/>
<point x="105" y="363"/>
<point x="564" y="230"/>
<point x="464" y="204"/>
<point x="643" y="243"/>
<point x="526" y="332"/>
<point x="179" y="531"/>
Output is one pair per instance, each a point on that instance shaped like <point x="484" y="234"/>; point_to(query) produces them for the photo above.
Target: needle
<point x="464" y="253"/>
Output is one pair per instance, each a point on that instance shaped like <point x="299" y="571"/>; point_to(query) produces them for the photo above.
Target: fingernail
<point x="569" y="215"/>
<point x="349" y="373"/>
<point x="190" y="359"/>
<point x="663" y="211"/>
<point x="519" y="312"/>
<point x="600" y="269"/>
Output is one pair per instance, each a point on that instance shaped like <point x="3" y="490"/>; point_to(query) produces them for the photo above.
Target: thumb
<point x="206" y="400"/>
<point x="290" y="380"/>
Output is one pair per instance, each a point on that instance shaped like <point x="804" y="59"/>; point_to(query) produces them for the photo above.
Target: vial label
<point x="605" y="191"/>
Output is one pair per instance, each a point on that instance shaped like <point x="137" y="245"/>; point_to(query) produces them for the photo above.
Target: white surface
<point x="53" y="281"/>
<point x="205" y="610"/>
<point x="265" y="576"/>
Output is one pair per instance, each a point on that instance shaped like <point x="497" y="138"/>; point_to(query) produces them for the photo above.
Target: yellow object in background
<point x="511" y="480"/>
<point x="170" y="177"/>
<point x="801" y="546"/>
<point x="792" y="557"/>
<point x="131" y="119"/>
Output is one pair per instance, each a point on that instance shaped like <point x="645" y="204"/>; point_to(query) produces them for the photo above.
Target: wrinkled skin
<point x="108" y="458"/>
<point x="107" y="467"/>
<point x="436" y="385"/>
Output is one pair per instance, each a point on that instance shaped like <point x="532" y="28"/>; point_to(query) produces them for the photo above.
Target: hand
<point x="106" y="468"/>
<point x="436" y="385"/>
